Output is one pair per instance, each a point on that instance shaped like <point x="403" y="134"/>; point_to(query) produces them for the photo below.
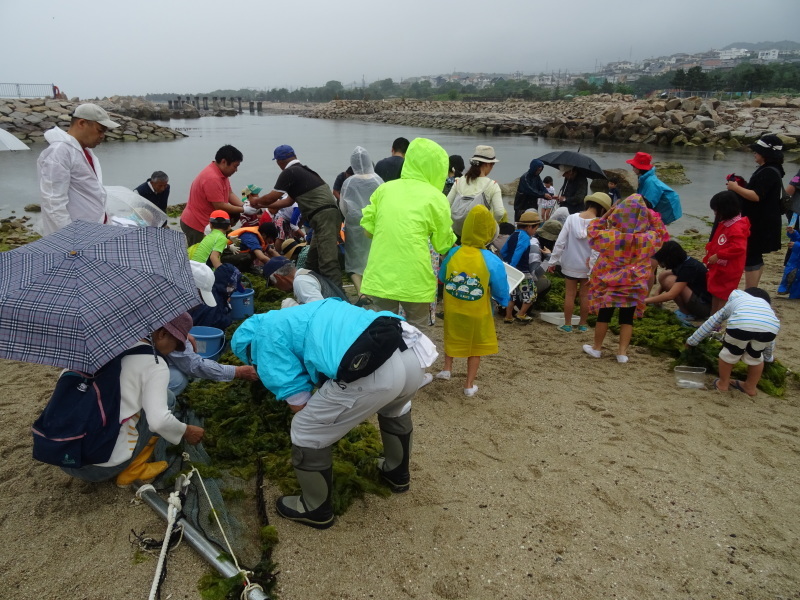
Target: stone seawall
<point x="663" y="122"/>
<point x="28" y="119"/>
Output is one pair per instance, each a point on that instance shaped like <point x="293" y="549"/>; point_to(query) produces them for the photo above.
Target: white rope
<point x="173" y="510"/>
<point x="248" y="584"/>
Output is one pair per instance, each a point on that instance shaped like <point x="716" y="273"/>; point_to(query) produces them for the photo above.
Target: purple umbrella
<point x="77" y="298"/>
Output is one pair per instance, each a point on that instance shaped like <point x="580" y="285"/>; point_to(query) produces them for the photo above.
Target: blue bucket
<point x="210" y="341"/>
<point x="242" y="305"/>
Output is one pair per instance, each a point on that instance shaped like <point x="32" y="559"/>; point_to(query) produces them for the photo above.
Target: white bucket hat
<point x="204" y="280"/>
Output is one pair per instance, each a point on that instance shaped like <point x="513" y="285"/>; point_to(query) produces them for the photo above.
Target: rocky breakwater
<point x="29" y="119"/>
<point x="660" y="121"/>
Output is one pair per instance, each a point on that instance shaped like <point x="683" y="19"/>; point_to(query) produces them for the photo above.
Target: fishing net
<point x="237" y="516"/>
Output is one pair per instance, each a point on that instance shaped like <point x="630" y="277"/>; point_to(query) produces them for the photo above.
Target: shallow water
<point x="325" y="146"/>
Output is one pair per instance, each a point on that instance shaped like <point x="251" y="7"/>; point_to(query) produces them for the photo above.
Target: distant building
<point x="733" y="53"/>
<point x="768" y="54"/>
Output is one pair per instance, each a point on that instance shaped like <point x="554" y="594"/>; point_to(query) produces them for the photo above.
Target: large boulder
<point x="671" y="172"/>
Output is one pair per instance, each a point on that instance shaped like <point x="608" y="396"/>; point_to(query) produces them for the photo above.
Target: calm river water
<point x="326" y="146"/>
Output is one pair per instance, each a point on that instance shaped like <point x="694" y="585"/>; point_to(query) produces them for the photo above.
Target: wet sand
<point x="564" y="477"/>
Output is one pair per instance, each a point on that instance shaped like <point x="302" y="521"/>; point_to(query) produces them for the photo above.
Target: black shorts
<point x="754" y="259"/>
<point x="698" y="307"/>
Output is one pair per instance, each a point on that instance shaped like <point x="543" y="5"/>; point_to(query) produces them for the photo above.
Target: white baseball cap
<point x="92" y="112"/>
<point x="204" y="280"/>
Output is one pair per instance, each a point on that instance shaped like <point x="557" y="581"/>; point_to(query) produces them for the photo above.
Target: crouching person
<point x="144" y="410"/>
<point x="370" y="363"/>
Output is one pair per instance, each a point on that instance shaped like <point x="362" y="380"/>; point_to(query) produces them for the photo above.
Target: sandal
<point x="508" y="320"/>
<point x="524" y="319"/>
<point x="583" y="328"/>
<point x="737" y="385"/>
<point x="565" y="328"/>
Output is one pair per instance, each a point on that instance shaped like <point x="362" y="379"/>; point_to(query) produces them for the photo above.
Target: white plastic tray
<point x="557" y="318"/>
<point x="514" y="276"/>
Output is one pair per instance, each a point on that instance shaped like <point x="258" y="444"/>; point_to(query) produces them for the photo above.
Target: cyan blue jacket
<point x="664" y="199"/>
<point x="520" y="241"/>
<point x="294" y="348"/>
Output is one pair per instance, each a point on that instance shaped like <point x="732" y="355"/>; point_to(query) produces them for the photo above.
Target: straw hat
<point x="529" y="217"/>
<point x="484" y="154"/>
<point x="291" y="247"/>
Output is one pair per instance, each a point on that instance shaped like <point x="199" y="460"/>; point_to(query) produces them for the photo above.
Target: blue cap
<point x="274" y="263"/>
<point x="284" y="152"/>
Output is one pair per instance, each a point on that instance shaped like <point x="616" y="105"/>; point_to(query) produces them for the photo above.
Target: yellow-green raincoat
<point x="402" y="216"/>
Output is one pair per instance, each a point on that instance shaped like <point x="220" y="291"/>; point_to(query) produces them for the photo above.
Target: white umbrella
<point x="10" y="142"/>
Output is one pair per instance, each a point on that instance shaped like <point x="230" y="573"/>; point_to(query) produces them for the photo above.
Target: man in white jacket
<point x="70" y="178"/>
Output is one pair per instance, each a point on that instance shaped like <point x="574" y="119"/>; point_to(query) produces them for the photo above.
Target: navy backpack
<point x="80" y="424"/>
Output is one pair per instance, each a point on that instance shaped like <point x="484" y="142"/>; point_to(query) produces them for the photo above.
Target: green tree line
<point x="746" y="77"/>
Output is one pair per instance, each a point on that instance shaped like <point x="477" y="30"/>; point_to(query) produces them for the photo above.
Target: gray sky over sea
<point x="103" y="47"/>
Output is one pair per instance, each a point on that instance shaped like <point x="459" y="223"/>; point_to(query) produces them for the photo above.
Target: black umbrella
<point x="580" y="162"/>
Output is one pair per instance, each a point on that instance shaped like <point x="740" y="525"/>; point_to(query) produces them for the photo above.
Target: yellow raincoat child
<point x="472" y="276"/>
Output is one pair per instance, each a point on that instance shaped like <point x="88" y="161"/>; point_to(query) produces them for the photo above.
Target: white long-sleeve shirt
<point x="742" y="311"/>
<point x="489" y="187"/>
<point x="571" y="249"/>
<point x="143" y="386"/>
<point x="70" y="189"/>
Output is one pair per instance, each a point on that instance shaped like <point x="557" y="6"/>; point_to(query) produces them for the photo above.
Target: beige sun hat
<point x="484" y="154"/>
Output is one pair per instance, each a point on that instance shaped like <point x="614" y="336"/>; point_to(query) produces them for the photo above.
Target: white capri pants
<point x="336" y="408"/>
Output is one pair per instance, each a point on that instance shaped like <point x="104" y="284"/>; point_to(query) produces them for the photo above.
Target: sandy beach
<point x="564" y="477"/>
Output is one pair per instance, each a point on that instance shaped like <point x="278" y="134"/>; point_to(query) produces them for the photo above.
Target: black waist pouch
<point x="371" y="349"/>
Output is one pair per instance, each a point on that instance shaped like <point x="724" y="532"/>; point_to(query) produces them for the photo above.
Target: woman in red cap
<point x="662" y="198"/>
<point x="762" y="205"/>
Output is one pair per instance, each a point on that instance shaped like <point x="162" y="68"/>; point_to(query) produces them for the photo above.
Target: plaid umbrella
<point x="77" y="298"/>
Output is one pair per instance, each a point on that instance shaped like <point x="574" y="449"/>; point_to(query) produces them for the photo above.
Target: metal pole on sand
<point x="196" y="540"/>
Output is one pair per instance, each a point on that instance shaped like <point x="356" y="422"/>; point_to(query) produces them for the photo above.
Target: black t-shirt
<point x="693" y="273"/>
<point x="765" y="215"/>
<point x="298" y="180"/>
<point x="339" y="181"/>
<point x="390" y="168"/>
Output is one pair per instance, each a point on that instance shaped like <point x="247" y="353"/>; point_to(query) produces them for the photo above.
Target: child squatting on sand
<point x="749" y="336"/>
<point x="471" y="276"/>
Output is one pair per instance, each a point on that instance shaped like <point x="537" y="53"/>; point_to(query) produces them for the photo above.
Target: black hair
<point x="726" y="204"/>
<point x="457" y="164"/>
<point x="546" y="179"/>
<point x="506" y="228"/>
<point x="671" y="255"/>
<point x="601" y="210"/>
<point x="229" y="154"/>
<point x="218" y="223"/>
<point x="759" y="293"/>
<point x="268" y="230"/>
<point x="613" y="179"/>
<point x="400" y="145"/>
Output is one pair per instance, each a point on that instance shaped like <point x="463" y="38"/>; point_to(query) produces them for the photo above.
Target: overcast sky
<point x="106" y="47"/>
